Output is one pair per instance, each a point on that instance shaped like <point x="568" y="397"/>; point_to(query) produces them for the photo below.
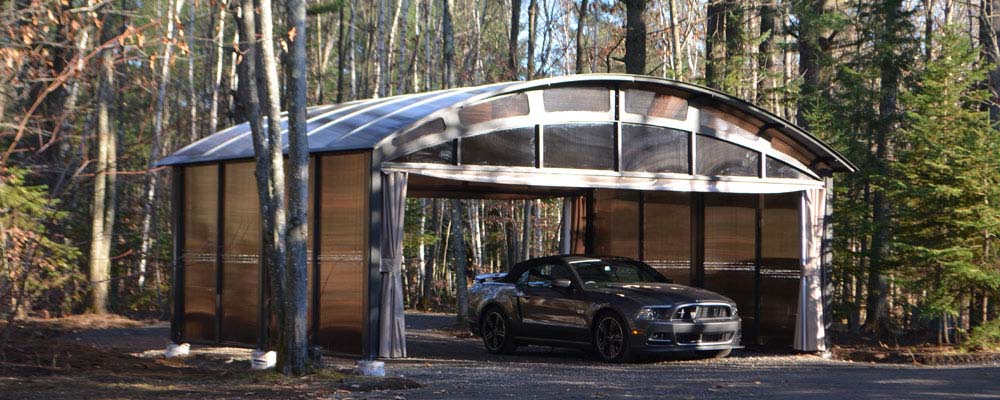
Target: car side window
<point x="543" y="275"/>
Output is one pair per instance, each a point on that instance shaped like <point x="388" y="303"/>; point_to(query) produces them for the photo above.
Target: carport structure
<point x="711" y="190"/>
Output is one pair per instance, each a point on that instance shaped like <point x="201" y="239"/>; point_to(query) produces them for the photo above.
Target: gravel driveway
<point x="460" y="368"/>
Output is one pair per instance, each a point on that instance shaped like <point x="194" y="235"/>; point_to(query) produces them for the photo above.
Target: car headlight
<point x="655" y="313"/>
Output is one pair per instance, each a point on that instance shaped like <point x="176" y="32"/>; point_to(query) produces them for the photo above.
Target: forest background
<point x="92" y="92"/>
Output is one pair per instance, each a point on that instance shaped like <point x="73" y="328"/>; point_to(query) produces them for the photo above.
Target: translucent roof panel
<point x="349" y="126"/>
<point x="382" y="124"/>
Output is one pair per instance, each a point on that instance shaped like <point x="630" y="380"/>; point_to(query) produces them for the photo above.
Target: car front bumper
<point x="671" y="336"/>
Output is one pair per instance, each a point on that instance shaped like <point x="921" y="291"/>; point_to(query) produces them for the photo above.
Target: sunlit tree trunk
<point x="532" y="34"/>
<point x="580" y="19"/>
<point x="103" y="207"/>
<point x="220" y="52"/>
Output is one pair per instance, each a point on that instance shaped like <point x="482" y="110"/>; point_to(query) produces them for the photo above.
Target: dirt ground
<point x="115" y="358"/>
<point x="110" y="357"/>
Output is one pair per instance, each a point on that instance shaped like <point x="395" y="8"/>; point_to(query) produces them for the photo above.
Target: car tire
<point x="498" y="337"/>
<point x="611" y="338"/>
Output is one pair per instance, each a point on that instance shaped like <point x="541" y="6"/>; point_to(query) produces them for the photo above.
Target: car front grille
<point x="699" y="338"/>
<point x="666" y="339"/>
<point x="703" y="312"/>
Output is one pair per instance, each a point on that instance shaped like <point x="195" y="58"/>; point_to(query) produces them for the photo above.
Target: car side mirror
<point x="562" y="283"/>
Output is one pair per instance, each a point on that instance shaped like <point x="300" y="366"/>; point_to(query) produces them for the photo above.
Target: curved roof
<point x="372" y="123"/>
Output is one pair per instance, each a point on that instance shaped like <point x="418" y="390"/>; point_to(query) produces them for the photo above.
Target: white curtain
<point x="392" y="326"/>
<point x="809" y="330"/>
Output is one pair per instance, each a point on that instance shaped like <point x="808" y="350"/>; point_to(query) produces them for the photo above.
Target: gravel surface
<point x="453" y="365"/>
<point x="460" y="368"/>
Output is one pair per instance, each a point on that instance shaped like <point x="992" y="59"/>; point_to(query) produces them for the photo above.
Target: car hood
<point x="654" y="294"/>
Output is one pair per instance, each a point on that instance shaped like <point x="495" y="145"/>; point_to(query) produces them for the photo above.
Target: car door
<point x="549" y="312"/>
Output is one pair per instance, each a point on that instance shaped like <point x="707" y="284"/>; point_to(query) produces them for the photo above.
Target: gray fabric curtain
<point x="810" y="334"/>
<point x="392" y="326"/>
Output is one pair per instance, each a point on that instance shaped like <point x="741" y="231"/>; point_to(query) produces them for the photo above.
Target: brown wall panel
<point x="241" y="253"/>
<point x="344" y="189"/>
<point x="616" y="223"/>
<point x="667" y="234"/>
<point x="780" y="252"/>
<point x="200" y="231"/>
<point x="730" y="248"/>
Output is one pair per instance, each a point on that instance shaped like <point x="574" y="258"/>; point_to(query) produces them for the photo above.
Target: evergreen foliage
<point x="945" y="181"/>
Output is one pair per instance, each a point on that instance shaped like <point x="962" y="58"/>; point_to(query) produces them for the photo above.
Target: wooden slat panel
<point x="616" y="223"/>
<point x="200" y="228"/>
<point x="343" y="251"/>
<point x="667" y="234"/>
<point x="780" y="250"/>
<point x="730" y="250"/>
<point x="241" y="251"/>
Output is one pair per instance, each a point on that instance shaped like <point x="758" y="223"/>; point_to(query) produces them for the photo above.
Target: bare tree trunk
<point x="276" y="179"/>
<point x="234" y="80"/>
<point x="350" y="53"/>
<point x="525" y="244"/>
<point x="510" y="236"/>
<point x="220" y="49"/>
<point x="635" y="37"/>
<point x="581" y="17"/>
<point x="382" y="66"/>
<point x="515" y="29"/>
<point x="103" y="207"/>
<point x="296" y="341"/>
<point x="989" y="44"/>
<point x="675" y="40"/>
<point x="475" y="235"/>
<point x="401" y="16"/>
<point x="437" y="219"/>
<point x="421" y="256"/>
<point x="538" y="237"/>
<point x="192" y="97"/>
<point x="532" y="33"/>
<point x="447" y="30"/>
<point x="250" y="95"/>
<point x="461" y="264"/>
<point x="767" y="55"/>
<point x="714" y="36"/>
<point x="152" y="178"/>
<point x="341" y="59"/>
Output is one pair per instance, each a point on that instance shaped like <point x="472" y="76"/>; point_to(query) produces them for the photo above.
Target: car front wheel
<point x="611" y="339"/>
<point x="497" y="335"/>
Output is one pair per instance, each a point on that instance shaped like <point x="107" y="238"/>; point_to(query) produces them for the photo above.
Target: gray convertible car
<point x="618" y="307"/>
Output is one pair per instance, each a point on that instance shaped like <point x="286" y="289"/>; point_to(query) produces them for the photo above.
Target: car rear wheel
<point x="497" y="335"/>
<point x="611" y="339"/>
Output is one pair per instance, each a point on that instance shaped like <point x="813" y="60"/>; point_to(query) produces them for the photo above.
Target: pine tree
<point x="945" y="182"/>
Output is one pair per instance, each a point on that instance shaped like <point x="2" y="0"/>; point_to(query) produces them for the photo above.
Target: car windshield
<point x="602" y="272"/>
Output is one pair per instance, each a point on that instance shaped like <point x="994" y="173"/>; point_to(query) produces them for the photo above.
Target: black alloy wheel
<point x="611" y="339"/>
<point x="497" y="335"/>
